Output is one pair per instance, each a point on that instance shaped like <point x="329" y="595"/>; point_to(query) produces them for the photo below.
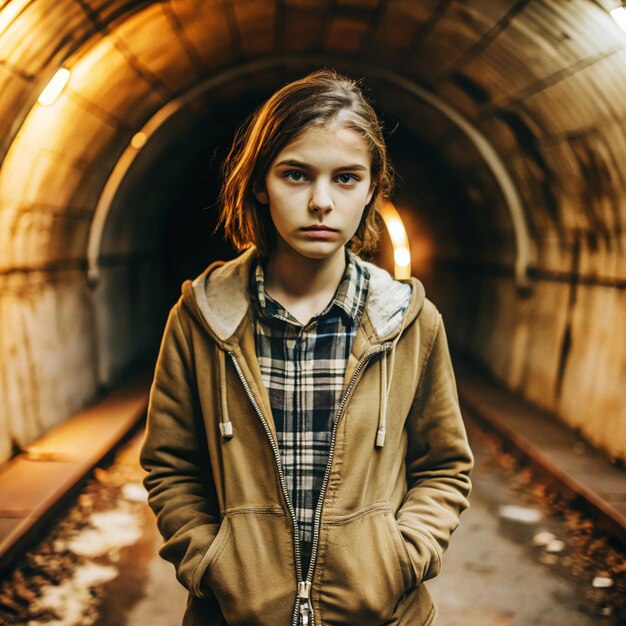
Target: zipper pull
<point x="304" y="603"/>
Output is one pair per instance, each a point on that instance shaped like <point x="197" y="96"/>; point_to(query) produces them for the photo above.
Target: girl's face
<point x="317" y="188"/>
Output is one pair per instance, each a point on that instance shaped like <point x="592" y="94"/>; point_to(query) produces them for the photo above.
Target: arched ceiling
<point x="542" y="81"/>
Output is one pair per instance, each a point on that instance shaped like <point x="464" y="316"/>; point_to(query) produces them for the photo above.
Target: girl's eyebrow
<point x="296" y="163"/>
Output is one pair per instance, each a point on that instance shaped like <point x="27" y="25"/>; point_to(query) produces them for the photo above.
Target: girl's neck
<point x="303" y="286"/>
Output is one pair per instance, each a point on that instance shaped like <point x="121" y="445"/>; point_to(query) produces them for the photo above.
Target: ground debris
<point x="134" y="492"/>
<point x="56" y="584"/>
<point x="543" y="538"/>
<point x="602" y="582"/>
<point x="519" y="514"/>
<point x="590" y="556"/>
<point x="555" y="546"/>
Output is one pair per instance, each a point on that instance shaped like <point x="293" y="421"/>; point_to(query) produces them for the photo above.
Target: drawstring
<point x="226" y="426"/>
<point x="385" y="387"/>
<point x="382" y="414"/>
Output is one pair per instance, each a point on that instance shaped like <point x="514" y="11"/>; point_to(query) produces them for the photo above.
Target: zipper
<point x="331" y="453"/>
<point x="303" y="610"/>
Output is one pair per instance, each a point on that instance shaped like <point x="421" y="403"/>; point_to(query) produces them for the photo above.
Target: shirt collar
<point x="350" y="296"/>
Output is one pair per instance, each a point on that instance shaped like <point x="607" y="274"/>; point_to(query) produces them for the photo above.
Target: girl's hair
<point x="314" y="100"/>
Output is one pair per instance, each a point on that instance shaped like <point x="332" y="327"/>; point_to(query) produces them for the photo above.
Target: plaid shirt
<point x="303" y="370"/>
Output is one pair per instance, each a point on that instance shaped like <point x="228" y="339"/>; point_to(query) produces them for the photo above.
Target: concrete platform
<point x="579" y="471"/>
<point x="34" y="484"/>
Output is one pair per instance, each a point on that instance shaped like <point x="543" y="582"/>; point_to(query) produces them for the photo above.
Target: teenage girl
<point x="306" y="456"/>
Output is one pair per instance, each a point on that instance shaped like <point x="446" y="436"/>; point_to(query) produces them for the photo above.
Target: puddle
<point x="111" y="530"/>
<point x="72" y="601"/>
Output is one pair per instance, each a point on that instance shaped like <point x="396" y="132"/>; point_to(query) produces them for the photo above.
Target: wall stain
<point x="567" y="339"/>
<point x="596" y="183"/>
<point x="529" y="146"/>
<point x="474" y="90"/>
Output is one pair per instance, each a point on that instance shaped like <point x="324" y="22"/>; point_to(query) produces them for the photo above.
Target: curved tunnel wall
<point x="542" y="81"/>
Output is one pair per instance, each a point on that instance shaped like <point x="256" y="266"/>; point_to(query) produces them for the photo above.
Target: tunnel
<point x="505" y="122"/>
<point x="505" y="125"/>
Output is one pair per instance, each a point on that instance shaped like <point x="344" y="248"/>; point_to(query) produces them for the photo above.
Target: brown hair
<point x="313" y="100"/>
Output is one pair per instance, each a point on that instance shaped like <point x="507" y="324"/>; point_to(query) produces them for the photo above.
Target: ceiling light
<point x="619" y="15"/>
<point x="139" y="140"/>
<point x="54" y="88"/>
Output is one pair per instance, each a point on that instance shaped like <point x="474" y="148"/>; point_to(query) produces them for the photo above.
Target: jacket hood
<point x="218" y="298"/>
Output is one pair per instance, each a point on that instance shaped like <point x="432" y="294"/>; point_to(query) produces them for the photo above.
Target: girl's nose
<point x="321" y="201"/>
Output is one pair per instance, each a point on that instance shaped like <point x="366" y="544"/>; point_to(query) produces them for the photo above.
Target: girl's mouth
<point x="319" y="231"/>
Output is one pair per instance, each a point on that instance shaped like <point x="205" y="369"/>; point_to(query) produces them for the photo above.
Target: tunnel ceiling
<point x="525" y="102"/>
<point x="543" y="81"/>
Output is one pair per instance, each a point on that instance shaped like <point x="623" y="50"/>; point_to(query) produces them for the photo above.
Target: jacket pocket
<point x="403" y="553"/>
<point x="365" y="569"/>
<point x="252" y="572"/>
<point x="215" y="549"/>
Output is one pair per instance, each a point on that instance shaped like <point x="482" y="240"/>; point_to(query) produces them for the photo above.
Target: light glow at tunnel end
<point x="402" y="257"/>
<point x="54" y="88"/>
<point x="399" y="240"/>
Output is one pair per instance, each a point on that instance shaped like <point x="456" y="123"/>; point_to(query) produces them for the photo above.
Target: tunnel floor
<point x="511" y="562"/>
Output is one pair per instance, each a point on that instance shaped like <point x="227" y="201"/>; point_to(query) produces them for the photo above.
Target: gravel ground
<point x="96" y="557"/>
<point x="521" y="556"/>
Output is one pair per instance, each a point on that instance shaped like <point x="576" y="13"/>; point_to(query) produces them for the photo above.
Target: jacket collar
<point x="219" y="299"/>
<point x="349" y="297"/>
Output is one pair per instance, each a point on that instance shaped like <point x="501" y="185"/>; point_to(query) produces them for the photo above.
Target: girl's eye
<point x="346" y="179"/>
<point x="294" y="175"/>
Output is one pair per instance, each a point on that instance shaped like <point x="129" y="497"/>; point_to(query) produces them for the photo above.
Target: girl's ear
<point x="260" y="193"/>
<point x="371" y="192"/>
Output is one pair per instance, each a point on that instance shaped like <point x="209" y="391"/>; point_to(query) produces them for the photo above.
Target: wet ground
<point x="510" y="561"/>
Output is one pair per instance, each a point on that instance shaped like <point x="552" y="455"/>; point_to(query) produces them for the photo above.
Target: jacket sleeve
<point x="438" y="460"/>
<point x="174" y="453"/>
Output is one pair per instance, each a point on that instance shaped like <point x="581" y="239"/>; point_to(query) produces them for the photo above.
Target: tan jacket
<point x="396" y="483"/>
